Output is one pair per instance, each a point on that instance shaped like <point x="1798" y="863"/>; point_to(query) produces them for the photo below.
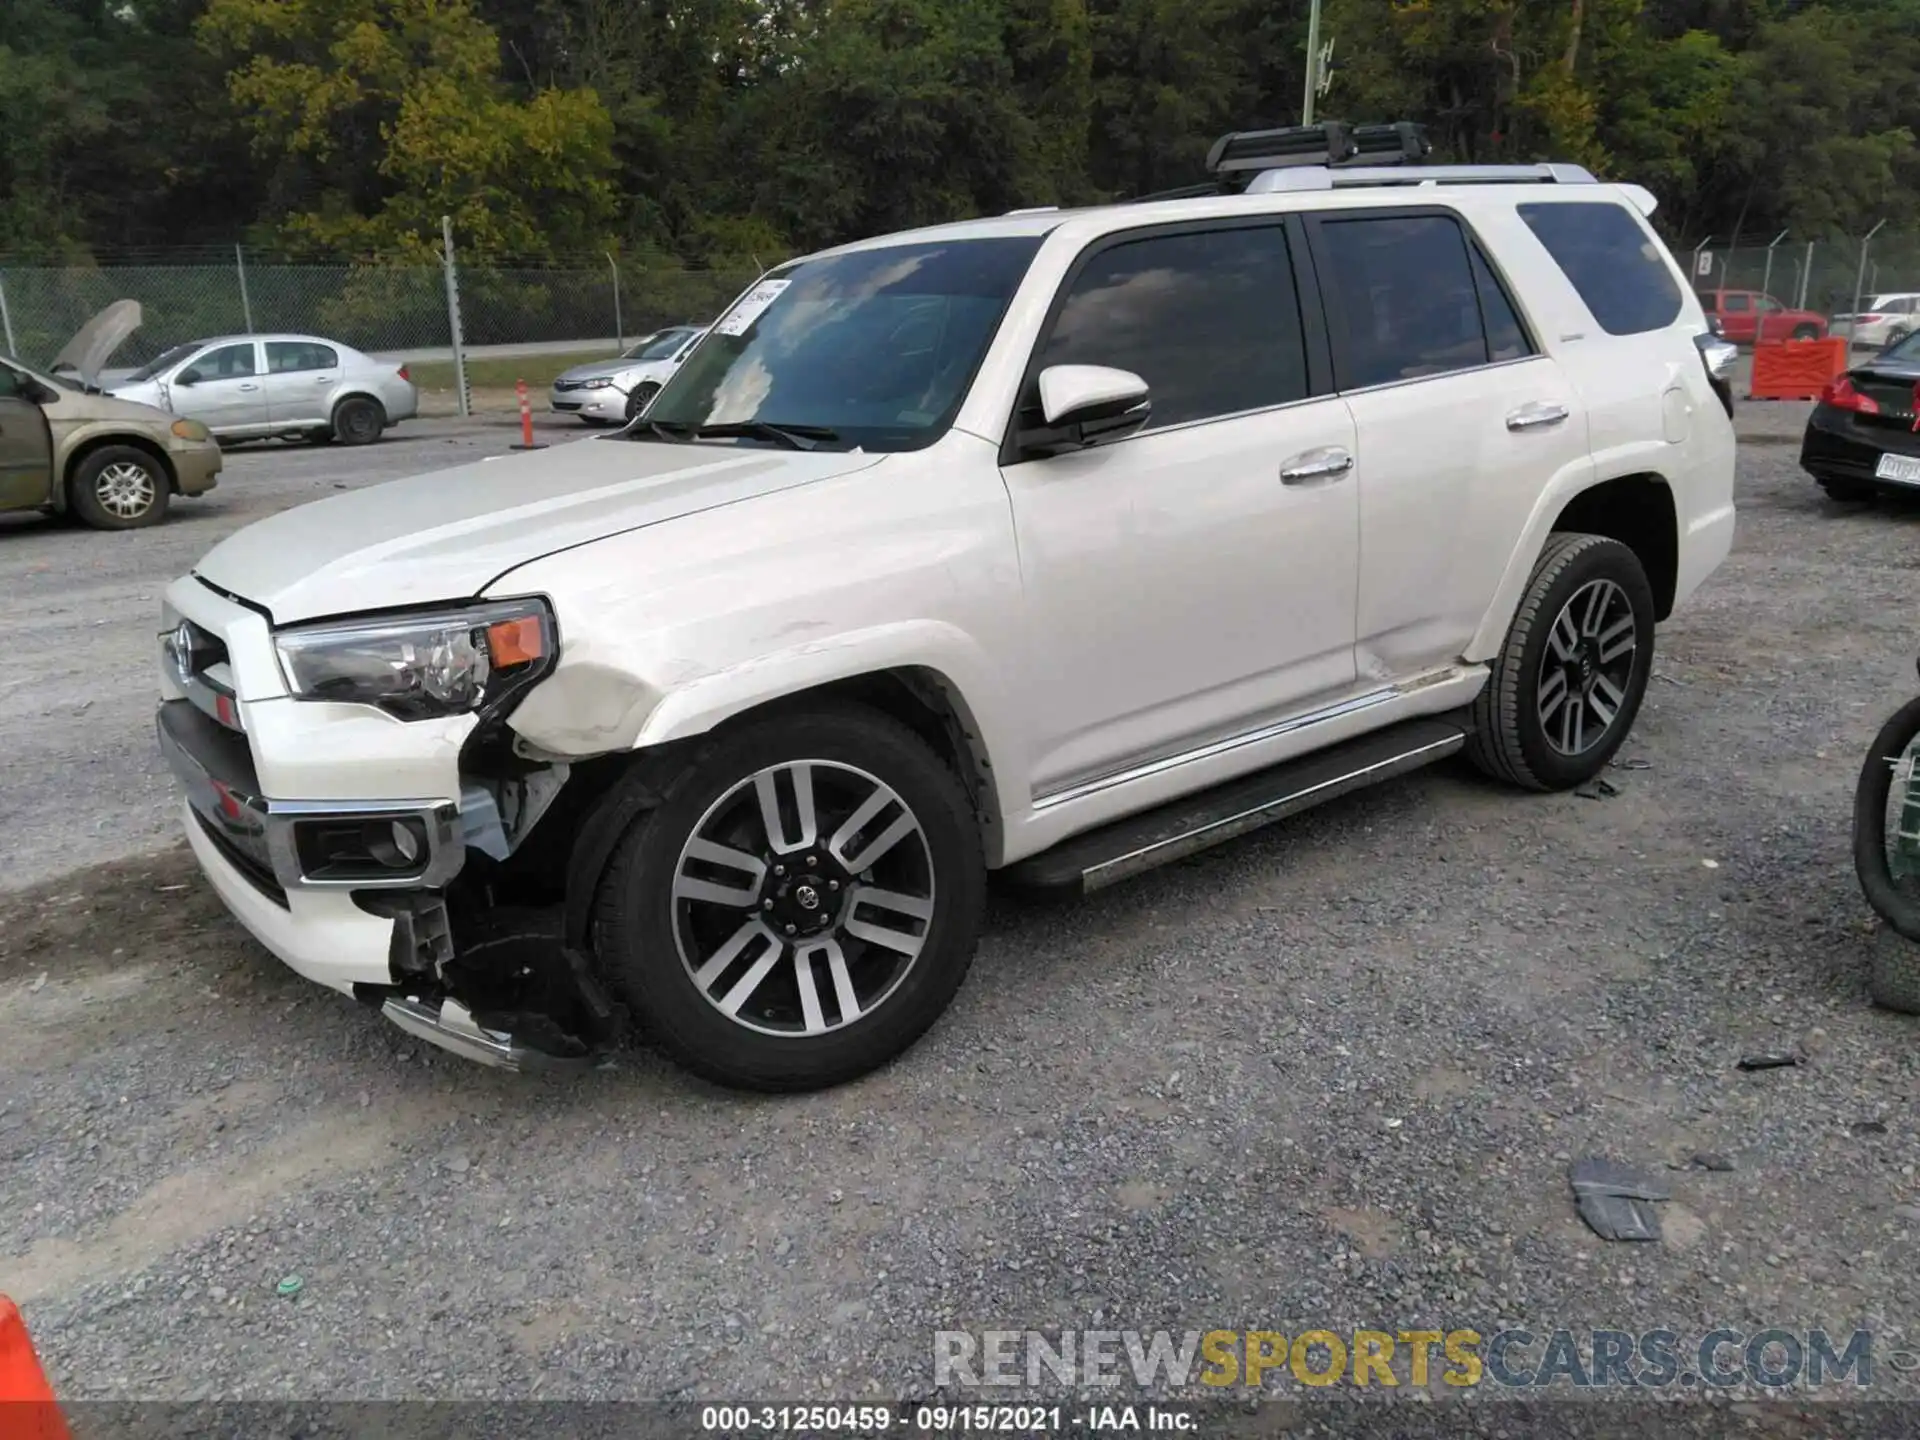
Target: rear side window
<point x="1735" y="304"/>
<point x="285" y="355"/>
<point x="1210" y="320"/>
<point x="1614" y="264"/>
<point x="1408" y="302"/>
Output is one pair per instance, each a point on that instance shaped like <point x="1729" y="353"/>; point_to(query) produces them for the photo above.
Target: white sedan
<point x="250" y="387"/>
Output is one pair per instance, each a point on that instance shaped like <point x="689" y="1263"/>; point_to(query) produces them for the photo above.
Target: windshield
<point x="873" y="349"/>
<point x="660" y="345"/>
<point x="25" y="369"/>
<point x="154" y="367"/>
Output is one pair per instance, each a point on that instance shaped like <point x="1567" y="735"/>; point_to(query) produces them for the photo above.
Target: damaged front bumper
<point x="366" y="896"/>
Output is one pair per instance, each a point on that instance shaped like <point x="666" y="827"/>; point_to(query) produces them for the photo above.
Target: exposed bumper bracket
<point x="451" y="1026"/>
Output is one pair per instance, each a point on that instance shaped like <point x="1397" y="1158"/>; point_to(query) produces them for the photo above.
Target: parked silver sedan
<point x="244" y="387"/>
<point x="608" y="392"/>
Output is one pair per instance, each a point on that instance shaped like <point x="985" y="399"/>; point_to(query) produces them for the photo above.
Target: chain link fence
<point x="382" y="309"/>
<point x="1820" y="275"/>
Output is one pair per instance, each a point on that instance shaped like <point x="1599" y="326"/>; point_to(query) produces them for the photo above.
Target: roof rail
<point x="1328" y="177"/>
<point x="1033" y="210"/>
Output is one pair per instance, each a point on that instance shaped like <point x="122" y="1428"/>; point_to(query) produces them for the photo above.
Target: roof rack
<point x="1330" y="143"/>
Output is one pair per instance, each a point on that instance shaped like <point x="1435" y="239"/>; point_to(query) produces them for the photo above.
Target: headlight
<point x="415" y="667"/>
<point x="191" y="430"/>
<point x="600" y="383"/>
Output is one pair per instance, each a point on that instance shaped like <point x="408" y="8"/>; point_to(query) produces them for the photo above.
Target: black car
<point x="1864" y="436"/>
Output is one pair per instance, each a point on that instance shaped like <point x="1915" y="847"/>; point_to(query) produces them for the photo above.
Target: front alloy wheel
<point x="802" y="904"/>
<point x="803" y="898"/>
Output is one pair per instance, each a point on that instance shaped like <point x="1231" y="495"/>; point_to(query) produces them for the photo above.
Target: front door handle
<point x="249" y="387"/>
<point x="1315" y="465"/>
<point x="1536" y="416"/>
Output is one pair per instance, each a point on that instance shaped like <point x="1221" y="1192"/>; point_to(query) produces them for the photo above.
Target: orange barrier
<point x="526" y="443"/>
<point x="1796" y="369"/>
<point x="27" y="1408"/>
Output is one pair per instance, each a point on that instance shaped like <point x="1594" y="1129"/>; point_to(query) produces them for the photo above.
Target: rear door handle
<point x="1536" y="416"/>
<point x="1316" y="465"/>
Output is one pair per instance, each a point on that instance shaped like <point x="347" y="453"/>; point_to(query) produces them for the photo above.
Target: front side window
<point x="1210" y="320"/>
<point x="165" y="361"/>
<point x="289" y="355"/>
<point x="1769" y="305"/>
<point x="229" y="362"/>
<point x="1406" y="305"/>
<point x="870" y="348"/>
<point x="1612" y="261"/>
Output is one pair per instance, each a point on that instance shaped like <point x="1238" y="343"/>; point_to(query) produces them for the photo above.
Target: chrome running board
<point x="1171" y="832"/>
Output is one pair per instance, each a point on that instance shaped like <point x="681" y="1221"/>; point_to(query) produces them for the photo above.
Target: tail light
<point x="404" y="375"/>
<point x="1841" y="395"/>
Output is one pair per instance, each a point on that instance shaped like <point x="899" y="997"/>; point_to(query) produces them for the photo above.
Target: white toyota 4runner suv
<point x="1059" y="544"/>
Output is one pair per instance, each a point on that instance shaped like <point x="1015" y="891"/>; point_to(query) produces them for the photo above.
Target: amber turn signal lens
<point x="515" y="642"/>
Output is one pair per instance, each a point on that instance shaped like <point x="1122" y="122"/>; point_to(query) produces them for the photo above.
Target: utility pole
<point x="453" y="316"/>
<point x="1313" y="63"/>
<point x="246" y="305"/>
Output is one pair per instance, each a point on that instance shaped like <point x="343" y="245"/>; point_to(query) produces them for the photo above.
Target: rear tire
<point x="1847" y="492"/>
<point x="1896" y="335"/>
<point x="358" y="420"/>
<point x="120" y="488"/>
<point x="1569" y="680"/>
<point x="1806" y="332"/>
<point x="884" y="817"/>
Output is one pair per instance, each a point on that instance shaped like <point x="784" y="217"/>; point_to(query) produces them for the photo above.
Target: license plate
<point x="1899" y="468"/>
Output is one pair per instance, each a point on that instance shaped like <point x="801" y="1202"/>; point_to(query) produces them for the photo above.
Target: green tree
<point x="376" y="117"/>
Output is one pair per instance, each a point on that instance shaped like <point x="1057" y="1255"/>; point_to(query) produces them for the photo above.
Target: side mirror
<point x="188" y="377"/>
<point x="1086" y="405"/>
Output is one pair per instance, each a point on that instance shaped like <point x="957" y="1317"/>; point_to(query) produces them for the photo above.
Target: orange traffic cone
<point x="27" y="1408"/>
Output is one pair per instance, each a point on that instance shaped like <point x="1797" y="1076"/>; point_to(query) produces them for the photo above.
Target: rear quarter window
<point x="1613" y="263"/>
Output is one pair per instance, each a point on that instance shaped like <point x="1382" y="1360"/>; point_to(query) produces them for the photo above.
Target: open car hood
<point x="96" y="340"/>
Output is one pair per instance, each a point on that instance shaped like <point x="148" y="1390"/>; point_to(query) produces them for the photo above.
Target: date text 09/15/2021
<point x="943" y="1419"/>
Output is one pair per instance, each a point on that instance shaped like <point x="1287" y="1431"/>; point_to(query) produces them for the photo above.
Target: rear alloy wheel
<point x="358" y="421"/>
<point x="1568" y="683"/>
<point x="120" y="488"/>
<point x="802" y="905"/>
<point x="640" y="397"/>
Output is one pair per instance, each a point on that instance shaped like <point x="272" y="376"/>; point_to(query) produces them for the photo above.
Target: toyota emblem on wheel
<point x="807" y="896"/>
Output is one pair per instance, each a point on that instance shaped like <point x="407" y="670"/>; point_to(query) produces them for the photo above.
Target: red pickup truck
<point x="1743" y="316"/>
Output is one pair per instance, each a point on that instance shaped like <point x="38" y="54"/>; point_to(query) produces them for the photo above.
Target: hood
<point x="73" y="405"/>
<point x="445" y="536"/>
<point x="607" y="369"/>
<point x="88" y="350"/>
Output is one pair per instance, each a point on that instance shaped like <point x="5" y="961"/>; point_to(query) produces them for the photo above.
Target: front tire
<point x="358" y="420"/>
<point x="639" y="398"/>
<point x="1569" y="680"/>
<point x="120" y="488"/>
<point x="802" y="905"/>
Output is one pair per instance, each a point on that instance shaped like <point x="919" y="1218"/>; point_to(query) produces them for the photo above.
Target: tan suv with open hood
<point x="68" y="447"/>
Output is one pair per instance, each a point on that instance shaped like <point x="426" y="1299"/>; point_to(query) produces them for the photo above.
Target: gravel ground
<point x="1328" y="1077"/>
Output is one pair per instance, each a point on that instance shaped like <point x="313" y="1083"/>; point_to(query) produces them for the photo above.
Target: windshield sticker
<point x="740" y="319"/>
